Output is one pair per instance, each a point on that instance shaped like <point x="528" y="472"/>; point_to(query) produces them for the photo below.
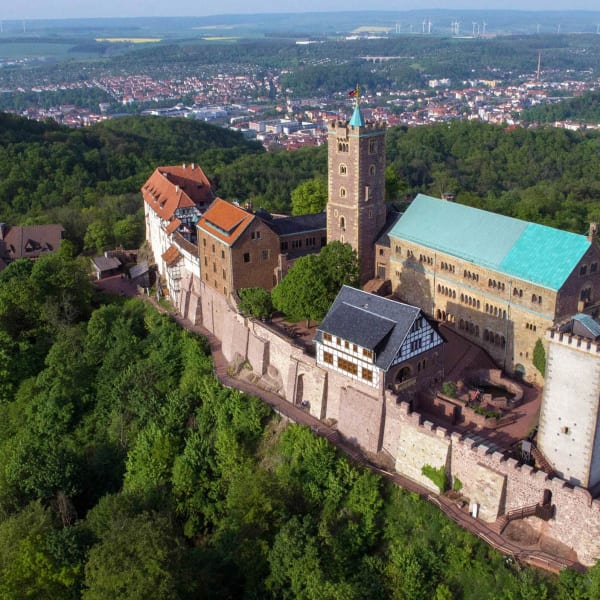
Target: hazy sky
<point x="48" y="9"/>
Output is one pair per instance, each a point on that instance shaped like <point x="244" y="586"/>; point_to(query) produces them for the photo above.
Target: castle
<point x="499" y="282"/>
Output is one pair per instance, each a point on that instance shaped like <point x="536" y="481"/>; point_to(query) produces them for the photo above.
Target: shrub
<point x="449" y="389"/>
<point x="438" y="476"/>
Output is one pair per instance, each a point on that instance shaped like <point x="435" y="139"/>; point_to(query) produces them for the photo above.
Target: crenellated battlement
<point x="370" y="126"/>
<point x="574" y="341"/>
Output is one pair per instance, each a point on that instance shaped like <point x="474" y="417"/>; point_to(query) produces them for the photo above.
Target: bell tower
<point x="356" y="210"/>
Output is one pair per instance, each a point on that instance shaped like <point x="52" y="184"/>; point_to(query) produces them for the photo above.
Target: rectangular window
<point x="265" y="255"/>
<point x="367" y="375"/>
<point x="222" y="253"/>
<point x="354" y="348"/>
<point x="224" y="274"/>
<point x="283" y="246"/>
<point x="206" y="261"/>
<point x="204" y="242"/>
<point x="367" y="353"/>
<point x="214" y="268"/>
<point x="328" y="358"/>
<point x="246" y="257"/>
<point x="582" y="270"/>
<point x="213" y="248"/>
<point x="347" y="345"/>
<point x="255" y="235"/>
<point x="327" y="336"/>
<point x="593" y="267"/>
<point x="338" y="341"/>
<point x="347" y="366"/>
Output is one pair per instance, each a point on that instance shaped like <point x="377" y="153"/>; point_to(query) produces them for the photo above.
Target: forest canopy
<point x="128" y="471"/>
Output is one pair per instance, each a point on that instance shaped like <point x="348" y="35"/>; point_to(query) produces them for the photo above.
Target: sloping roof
<point x="586" y="326"/>
<point x="105" y="263"/>
<point x="283" y="226"/>
<point x="370" y="321"/>
<point x="225" y="221"/>
<point x="542" y="255"/>
<point x="139" y="270"/>
<point x="170" y="188"/>
<point x="173" y="226"/>
<point x="31" y="241"/>
<point x="171" y="255"/>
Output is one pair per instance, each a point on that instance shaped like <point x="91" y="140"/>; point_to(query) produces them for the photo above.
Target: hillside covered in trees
<point x="89" y="179"/>
<point x="582" y="109"/>
<point x="127" y="471"/>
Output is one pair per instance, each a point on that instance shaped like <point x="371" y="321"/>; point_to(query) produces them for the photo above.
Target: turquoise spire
<point x="357" y="119"/>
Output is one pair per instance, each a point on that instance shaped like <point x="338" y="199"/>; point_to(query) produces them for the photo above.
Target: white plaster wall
<point x="568" y="418"/>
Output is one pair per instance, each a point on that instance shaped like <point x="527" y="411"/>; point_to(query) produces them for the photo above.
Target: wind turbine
<point x="484" y="26"/>
<point x="429" y="25"/>
<point x="423" y="25"/>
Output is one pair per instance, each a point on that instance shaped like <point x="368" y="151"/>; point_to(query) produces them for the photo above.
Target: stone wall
<point x="495" y="483"/>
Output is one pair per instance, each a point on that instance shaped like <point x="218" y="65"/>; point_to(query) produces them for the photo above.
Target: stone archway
<point x="403" y="374"/>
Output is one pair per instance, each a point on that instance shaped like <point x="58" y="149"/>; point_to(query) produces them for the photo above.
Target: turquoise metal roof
<point x="357" y="119"/>
<point x="535" y="253"/>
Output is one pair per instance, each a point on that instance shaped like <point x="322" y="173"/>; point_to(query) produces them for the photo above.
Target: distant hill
<point x="50" y="173"/>
<point x="583" y="109"/>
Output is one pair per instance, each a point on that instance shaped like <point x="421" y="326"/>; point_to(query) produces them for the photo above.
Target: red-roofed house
<point x="174" y="199"/>
<point x="237" y="249"/>
<point x="29" y="241"/>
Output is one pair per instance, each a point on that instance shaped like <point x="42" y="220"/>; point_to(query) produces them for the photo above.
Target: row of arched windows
<point x="495" y="311"/>
<point x="494" y="338"/>
<point x="465" y="299"/>
<point x="469" y="327"/>
<point x="446" y="291"/>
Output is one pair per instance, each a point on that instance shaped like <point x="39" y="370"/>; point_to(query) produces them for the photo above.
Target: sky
<point x="49" y="9"/>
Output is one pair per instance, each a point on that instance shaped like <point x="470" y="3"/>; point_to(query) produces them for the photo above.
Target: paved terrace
<point x="522" y="552"/>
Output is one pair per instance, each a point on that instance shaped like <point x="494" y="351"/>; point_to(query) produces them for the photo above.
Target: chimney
<point x="593" y="232"/>
<point x="177" y="189"/>
<point x="193" y="166"/>
<point x="183" y="165"/>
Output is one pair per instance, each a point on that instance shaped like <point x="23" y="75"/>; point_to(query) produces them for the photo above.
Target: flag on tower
<point x="353" y="92"/>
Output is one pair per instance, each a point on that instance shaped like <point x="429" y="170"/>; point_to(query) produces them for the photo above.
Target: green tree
<point x="31" y="566"/>
<point x="256" y="302"/>
<point x="312" y="284"/>
<point x="137" y="557"/>
<point x="97" y="237"/>
<point x="309" y="197"/>
<point x="539" y="357"/>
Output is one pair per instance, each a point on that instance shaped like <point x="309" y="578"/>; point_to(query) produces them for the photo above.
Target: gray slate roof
<point x="586" y="326"/>
<point x="370" y="321"/>
<point x="293" y="225"/>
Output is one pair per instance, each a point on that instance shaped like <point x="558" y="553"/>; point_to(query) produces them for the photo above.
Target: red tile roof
<point x="170" y="188"/>
<point x="173" y="225"/>
<point x="171" y="255"/>
<point x="225" y="221"/>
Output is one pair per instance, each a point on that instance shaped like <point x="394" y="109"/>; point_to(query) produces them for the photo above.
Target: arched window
<point x="372" y="170"/>
<point x="533" y="298"/>
<point x="343" y="169"/>
<point x="342" y="192"/>
<point x="342" y="223"/>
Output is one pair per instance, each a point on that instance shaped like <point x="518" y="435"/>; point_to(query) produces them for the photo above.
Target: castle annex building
<point x="500" y="281"/>
<point x="379" y="342"/>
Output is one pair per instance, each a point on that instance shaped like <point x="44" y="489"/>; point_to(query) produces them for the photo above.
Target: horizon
<point x="43" y="10"/>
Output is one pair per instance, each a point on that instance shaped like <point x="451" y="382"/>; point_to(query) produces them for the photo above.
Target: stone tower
<point x="569" y="429"/>
<point x="356" y="210"/>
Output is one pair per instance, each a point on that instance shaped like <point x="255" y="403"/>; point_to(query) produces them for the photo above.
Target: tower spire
<point x="357" y="119"/>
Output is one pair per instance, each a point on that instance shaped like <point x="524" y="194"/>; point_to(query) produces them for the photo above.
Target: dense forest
<point x="89" y="179"/>
<point x="582" y="109"/>
<point x="127" y="471"/>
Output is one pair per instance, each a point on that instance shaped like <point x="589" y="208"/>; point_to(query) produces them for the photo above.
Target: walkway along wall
<point x="496" y="484"/>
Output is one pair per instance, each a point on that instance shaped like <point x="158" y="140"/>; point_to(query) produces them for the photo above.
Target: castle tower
<point x="569" y="429"/>
<point x="356" y="210"/>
